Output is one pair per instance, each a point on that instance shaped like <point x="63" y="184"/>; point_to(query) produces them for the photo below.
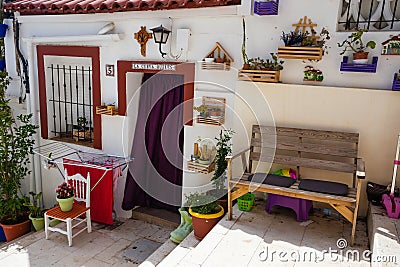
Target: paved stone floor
<point x="256" y="238"/>
<point x="102" y="247"/>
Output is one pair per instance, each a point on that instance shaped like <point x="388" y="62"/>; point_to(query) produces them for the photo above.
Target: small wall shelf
<point x="216" y="111"/>
<point x="259" y="75"/>
<point x="201" y="168"/>
<point x="352" y="67"/>
<point x="212" y="121"/>
<point x="300" y="52"/>
<point x="222" y="59"/>
<point x="396" y="82"/>
<point x="103" y="110"/>
<point x="266" y="8"/>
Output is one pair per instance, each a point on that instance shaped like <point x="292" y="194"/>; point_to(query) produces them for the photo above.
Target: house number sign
<point x="149" y="66"/>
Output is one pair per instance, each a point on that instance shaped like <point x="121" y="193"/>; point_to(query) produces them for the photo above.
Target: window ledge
<point x="76" y="38"/>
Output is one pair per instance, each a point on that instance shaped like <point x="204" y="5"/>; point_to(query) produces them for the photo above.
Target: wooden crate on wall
<point x="300" y="52"/>
<point x="103" y="110"/>
<point x="214" y="104"/>
<point x="201" y="168"/>
<point x="270" y="76"/>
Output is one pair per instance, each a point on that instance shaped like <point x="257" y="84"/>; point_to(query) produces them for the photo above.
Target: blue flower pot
<point x="2" y="64"/>
<point x="3" y="30"/>
<point x="2" y="235"/>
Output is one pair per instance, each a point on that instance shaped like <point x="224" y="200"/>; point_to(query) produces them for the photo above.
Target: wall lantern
<point x="160" y="35"/>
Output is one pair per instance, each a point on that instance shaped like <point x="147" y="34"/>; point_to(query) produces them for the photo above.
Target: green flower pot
<point x="38" y="223"/>
<point x="66" y="203"/>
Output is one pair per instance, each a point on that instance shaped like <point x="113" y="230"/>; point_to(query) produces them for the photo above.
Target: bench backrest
<point x="316" y="149"/>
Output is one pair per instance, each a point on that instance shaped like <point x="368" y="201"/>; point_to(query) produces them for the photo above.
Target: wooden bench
<point x="302" y="148"/>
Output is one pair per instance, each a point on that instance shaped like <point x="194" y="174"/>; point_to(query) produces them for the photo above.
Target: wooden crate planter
<point x="212" y="121"/>
<point x="259" y="75"/>
<point x="215" y="66"/>
<point x="201" y="168"/>
<point x="300" y="52"/>
<point x="103" y="110"/>
<point x="214" y="105"/>
<point x="266" y="8"/>
<point x="352" y="67"/>
<point x="396" y="82"/>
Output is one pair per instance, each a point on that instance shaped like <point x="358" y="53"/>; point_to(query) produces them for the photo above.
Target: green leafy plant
<point x="354" y="43"/>
<point x="82" y="122"/>
<point x="203" y="109"/>
<point x="274" y="63"/>
<point x="15" y="146"/>
<point x="224" y="148"/>
<point x="34" y="206"/>
<point x="203" y="204"/>
<point x="244" y="54"/>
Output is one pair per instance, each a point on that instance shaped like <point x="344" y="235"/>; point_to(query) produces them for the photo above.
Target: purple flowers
<point x="65" y="190"/>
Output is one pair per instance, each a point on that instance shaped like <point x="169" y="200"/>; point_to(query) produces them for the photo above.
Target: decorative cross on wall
<point x="305" y="23"/>
<point x="142" y="37"/>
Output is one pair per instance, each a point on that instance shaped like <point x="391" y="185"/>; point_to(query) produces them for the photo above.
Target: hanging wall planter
<point x="3" y="30"/>
<point x="263" y="8"/>
<point x="2" y="64"/>
<point x="353" y="67"/>
<point x="396" y="82"/>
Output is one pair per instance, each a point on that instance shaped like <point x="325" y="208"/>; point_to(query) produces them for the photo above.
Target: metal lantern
<point x="161" y="35"/>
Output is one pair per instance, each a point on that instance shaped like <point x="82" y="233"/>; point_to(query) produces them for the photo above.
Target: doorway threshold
<point x="155" y="216"/>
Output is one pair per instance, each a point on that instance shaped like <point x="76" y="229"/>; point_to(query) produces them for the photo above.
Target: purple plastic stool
<point x="301" y="206"/>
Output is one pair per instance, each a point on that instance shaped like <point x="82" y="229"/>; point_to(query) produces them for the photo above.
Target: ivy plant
<point x="224" y="148"/>
<point x="15" y="146"/>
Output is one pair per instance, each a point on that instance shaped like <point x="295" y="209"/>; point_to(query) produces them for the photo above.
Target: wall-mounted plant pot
<point x="2" y="64"/>
<point x="396" y="82"/>
<point x="354" y="67"/>
<point x="300" y="52"/>
<point x="269" y="76"/>
<point x="3" y="30"/>
<point x="263" y="8"/>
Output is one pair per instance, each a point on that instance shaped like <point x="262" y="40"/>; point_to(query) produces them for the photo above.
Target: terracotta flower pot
<point x="66" y="203"/>
<point x="203" y="223"/>
<point x="360" y="55"/>
<point x="220" y="60"/>
<point x="246" y="66"/>
<point x="13" y="231"/>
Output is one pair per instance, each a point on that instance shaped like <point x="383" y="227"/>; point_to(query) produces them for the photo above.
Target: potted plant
<point x="15" y="146"/>
<point x="65" y="196"/>
<point x="355" y="43"/>
<point x="36" y="214"/>
<point x="246" y="64"/>
<point x="203" y="110"/>
<point x="82" y="133"/>
<point x="294" y="38"/>
<point x="205" y="211"/>
<point x="224" y="148"/>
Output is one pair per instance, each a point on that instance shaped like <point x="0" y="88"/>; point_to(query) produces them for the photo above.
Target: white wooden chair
<point x="81" y="194"/>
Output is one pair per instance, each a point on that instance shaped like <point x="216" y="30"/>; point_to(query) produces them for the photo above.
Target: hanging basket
<point x="3" y="30"/>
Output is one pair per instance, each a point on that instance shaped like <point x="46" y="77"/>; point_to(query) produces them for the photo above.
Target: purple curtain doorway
<point x="157" y="145"/>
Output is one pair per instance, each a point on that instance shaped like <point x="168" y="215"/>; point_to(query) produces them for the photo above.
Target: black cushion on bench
<point x="332" y="188"/>
<point x="272" y="179"/>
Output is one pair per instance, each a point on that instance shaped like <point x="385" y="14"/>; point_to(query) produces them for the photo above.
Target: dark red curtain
<point x="155" y="176"/>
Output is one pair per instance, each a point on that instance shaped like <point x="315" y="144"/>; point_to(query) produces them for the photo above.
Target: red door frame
<point x="70" y="51"/>
<point x="182" y="68"/>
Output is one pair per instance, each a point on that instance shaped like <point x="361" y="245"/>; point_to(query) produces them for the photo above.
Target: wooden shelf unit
<point x="213" y="103"/>
<point x="215" y="66"/>
<point x="259" y="75"/>
<point x="211" y="121"/>
<point x="103" y="110"/>
<point x="300" y="52"/>
<point x="201" y="168"/>
<point x="217" y="52"/>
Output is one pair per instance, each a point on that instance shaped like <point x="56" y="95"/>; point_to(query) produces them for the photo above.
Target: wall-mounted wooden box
<point x="396" y="82"/>
<point x="259" y="75"/>
<point x="266" y="8"/>
<point x="202" y="168"/>
<point x="352" y="67"/>
<point x="300" y="52"/>
<point x="103" y="110"/>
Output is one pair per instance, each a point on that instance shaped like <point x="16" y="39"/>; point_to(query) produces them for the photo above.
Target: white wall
<point x="209" y="25"/>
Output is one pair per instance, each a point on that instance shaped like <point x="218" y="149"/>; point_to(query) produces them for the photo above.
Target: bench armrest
<point x="360" y="172"/>
<point x="237" y="154"/>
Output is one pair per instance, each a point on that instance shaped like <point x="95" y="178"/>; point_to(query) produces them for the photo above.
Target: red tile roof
<point x="43" y="7"/>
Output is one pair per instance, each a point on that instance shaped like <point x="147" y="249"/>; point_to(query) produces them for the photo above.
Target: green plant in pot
<point x="36" y="213"/>
<point x="224" y="148"/>
<point x="205" y="211"/>
<point x="65" y="196"/>
<point x="203" y="110"/>
<point x="355" y="43"/>
<point x="15" y="146"/>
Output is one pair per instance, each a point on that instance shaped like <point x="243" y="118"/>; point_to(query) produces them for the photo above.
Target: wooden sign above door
<point x="142" y="37"/>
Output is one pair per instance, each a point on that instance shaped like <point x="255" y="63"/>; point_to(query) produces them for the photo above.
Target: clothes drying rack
<point x="53" y="154"/>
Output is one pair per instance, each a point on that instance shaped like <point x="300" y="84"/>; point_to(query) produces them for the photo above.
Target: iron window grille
<point x="374" y="15"/>
<point x="71" y="104"/>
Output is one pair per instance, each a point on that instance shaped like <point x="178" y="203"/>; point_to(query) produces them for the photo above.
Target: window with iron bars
<point x="373" y="15"/>
<point x="70" y="103"/>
